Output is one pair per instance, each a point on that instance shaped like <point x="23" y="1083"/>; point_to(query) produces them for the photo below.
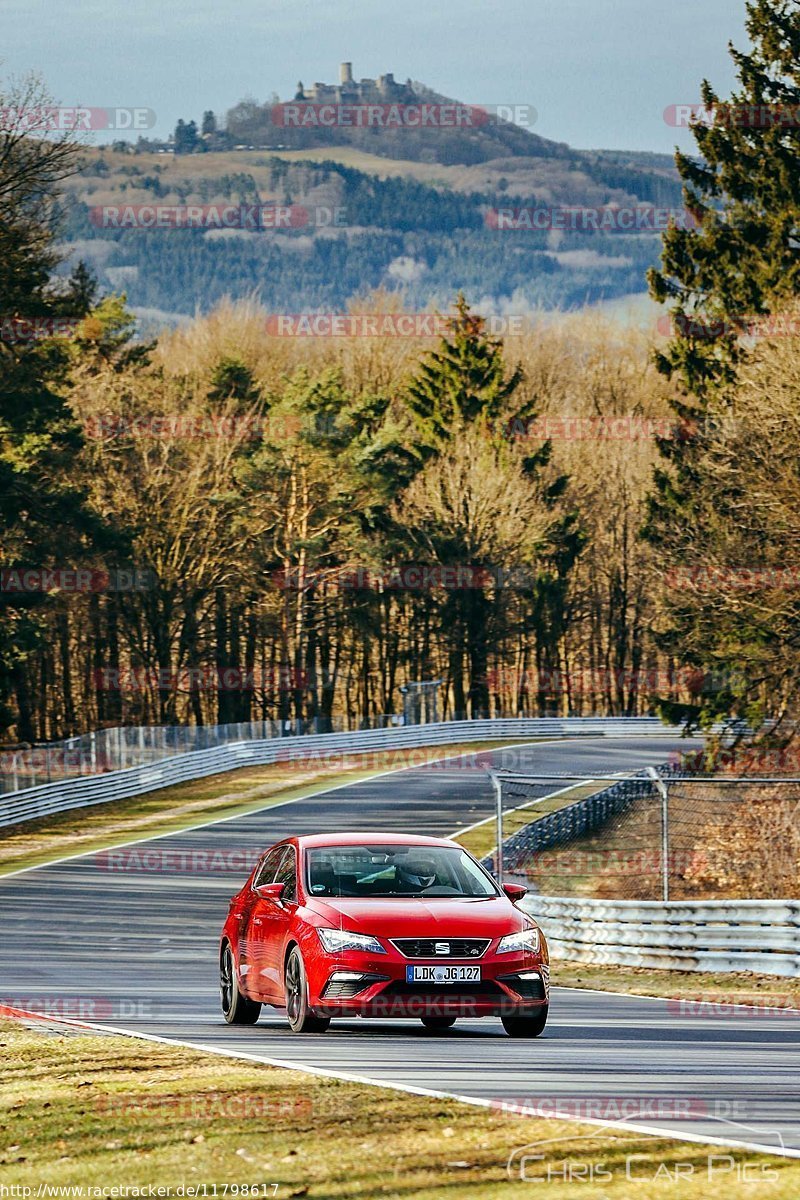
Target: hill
<point x="409" y="121"/>
<point x="408" y="211"/>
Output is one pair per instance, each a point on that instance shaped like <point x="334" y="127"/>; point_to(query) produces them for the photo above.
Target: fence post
<point x="664" y="793"/>
<point x="498" y="796"/>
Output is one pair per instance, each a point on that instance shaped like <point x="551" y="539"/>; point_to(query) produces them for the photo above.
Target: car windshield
<point x="395" y="871"/>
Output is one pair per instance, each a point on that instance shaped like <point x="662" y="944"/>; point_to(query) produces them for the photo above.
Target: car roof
<point x="309" y="841"/>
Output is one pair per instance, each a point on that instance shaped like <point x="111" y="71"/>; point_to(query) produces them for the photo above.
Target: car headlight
<point x="526" y="939"/>
<point x="337" y="940"/>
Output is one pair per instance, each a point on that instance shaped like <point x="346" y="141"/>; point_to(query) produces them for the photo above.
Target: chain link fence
<point x="662" y="836"/>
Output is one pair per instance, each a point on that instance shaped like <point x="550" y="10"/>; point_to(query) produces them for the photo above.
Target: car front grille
<point x="459" y="947"/>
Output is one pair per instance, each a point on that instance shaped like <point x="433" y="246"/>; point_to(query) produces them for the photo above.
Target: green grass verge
<point x="105" y="1112"/>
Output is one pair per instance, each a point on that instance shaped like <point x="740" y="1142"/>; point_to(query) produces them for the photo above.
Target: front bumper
<point x="360" y="984"/>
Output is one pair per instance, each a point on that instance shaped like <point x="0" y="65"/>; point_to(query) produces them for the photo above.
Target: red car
<point x="381" y="925"/>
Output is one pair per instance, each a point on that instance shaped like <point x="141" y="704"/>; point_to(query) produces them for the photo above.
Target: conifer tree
<point x="743" y="191"/>
<point x="740" y="262"/>
<point x="43" y="515"/>
<point x="464" y="404"/>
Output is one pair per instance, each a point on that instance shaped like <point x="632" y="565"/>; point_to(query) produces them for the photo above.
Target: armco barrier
<point x="31" y="803"/>
<point x="703" y="935"/>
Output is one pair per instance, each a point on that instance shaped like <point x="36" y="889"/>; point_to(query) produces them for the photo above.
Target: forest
<point x="222" y="524"/>
<point x="426" y="240"/>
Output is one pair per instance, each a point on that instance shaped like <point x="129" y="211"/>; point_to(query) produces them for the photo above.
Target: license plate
<point x="441" y="973"/>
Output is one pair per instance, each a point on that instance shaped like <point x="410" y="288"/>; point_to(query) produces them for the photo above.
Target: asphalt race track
<point x="128" y="939"/>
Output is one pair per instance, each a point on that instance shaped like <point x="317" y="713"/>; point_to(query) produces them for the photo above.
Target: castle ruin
<point x="383" y="90"/>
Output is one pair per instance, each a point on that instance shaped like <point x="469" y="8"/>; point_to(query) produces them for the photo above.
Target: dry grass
<point x="724" y="843"/>
<point x="733" y="987"/>
<point x="551" y="180"/>
<point x="107" y="1112"/>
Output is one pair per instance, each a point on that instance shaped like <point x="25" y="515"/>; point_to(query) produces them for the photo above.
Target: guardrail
<point x="703" y="935"/>
<point x="115" y="749"/>
<point x="31" y="803"/>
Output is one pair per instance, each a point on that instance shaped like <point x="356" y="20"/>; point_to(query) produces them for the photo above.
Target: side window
<point x="287" y="875"/>
<point x="266" y="872"/>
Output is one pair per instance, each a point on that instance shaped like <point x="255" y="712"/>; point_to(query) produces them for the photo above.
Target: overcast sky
<point x="599" y="72"/>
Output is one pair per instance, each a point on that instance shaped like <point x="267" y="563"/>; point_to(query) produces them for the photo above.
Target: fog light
<point x="343" y="985"/>
<point x="528" y="985"/>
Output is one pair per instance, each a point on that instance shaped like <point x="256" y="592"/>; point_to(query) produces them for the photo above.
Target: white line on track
<point x="250" y="812"/>
<point x="528" y="804"/>
<point x="351" y="1077"/>
<point x="413" y="1089"/>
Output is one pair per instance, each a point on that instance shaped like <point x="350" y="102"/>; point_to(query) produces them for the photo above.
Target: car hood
<point x="465" y="916"/>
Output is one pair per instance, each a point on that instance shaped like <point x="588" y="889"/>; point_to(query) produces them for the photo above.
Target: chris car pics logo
<point x="580" y="1160"/>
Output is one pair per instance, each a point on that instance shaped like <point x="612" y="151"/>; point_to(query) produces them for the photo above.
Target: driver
<point x="416" y="874"/>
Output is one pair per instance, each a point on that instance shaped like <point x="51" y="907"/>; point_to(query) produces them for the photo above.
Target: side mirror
<point x="515" y="891"/>
<point x="271" y="891"/>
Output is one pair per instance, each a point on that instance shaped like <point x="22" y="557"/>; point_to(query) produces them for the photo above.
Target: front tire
<point x="434" y="1022"/>
<point x="301" y="1017"/>
<point x="524" y="1025"/>
<point x="236" y="1008"/>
